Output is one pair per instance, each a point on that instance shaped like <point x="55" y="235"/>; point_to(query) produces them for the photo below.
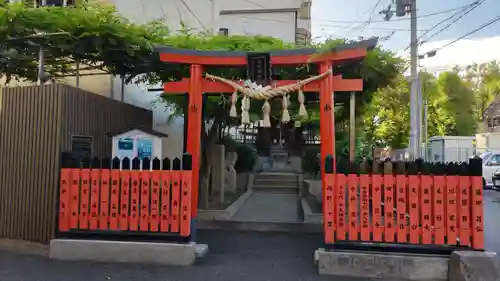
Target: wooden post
<point x="327" y="127"/>
<point x="194" y="131"/>
<point x="352" y="127"/>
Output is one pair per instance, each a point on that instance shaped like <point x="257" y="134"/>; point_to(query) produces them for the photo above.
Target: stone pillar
<point x="218" y="167"/>
<point x="230" y="179"/>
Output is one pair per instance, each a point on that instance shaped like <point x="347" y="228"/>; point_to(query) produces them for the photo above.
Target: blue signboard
<point x="144" y="148"/>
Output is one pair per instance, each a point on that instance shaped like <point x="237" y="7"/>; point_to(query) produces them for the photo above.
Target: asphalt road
<point x="492" y="220"/>
<point x="233" y="256"/>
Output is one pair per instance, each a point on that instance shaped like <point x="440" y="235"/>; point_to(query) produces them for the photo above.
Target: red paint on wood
<point x="339" y="85"/>
<point x="84" y="199"/>
<point x="364" y="185"/>
<point x="104" y="199"/>
<point x="389" y="185"/>
<point x="64" y="200"/>
<point x="451" y="209"/>
<point x="401" y="190"/>
<point x="124" y="199"/>
<point x="477" y="212"/>
<point x="438" y="209"/>
<point x="114" y="200"/>
<point x="341" y="182"/>
<point x="377" y="207"/>
<point x="464" y="198"/>
<point x="145" y="199"/>
<point x="135" y="183"/>
<point x="155" y="201"/>
<point x="74" y="198"/>
<point x="352" y="206"/>
<point x="329" y="217"/>
<point x="95" y="181"/>
<point x="185" y="216"/>
<point x="414" y="183"/>
<point x="175" y="201"/>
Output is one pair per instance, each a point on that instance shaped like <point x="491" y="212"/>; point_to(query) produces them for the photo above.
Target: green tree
<point x="460" y="104"/>
<point x="386" y="118"/>
<point x="438" y="118"/>
<point x="484" y="79"/>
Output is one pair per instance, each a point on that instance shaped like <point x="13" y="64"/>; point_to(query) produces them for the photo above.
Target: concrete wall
<point x="211" y="15"/>
<point x="280" y="24"/>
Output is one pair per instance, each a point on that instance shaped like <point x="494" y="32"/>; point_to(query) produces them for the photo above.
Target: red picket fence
<point x="125" y="197"/>
<point x="405" y="203"/>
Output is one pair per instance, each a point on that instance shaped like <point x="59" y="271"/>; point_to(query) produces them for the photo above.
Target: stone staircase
<point x="287" y="183"/>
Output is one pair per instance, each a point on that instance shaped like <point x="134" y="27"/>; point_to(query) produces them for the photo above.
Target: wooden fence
<point x="415" y="204"/>
<point x="121" y="198"/>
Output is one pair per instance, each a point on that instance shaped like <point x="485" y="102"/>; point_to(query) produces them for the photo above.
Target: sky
<point x="335" y="18"/>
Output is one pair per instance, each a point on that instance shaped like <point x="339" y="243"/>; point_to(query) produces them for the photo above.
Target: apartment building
<point x="289" y="20"/>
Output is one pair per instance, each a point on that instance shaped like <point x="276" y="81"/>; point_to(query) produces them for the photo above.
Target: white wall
<point x="259" y="4"/>
<point x="205" y="17"/>
<point x="279" y="25"/>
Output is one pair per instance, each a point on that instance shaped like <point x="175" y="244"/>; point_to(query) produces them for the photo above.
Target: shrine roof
<point x="174" y="55"/>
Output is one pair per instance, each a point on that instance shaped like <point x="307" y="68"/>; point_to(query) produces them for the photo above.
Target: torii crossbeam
<point x="197" y="85"/>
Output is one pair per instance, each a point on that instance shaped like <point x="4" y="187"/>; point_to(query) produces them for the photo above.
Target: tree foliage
<point x="91" y="32"/>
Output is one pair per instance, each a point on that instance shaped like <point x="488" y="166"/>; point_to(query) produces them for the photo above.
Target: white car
<point x="491" y="163"/>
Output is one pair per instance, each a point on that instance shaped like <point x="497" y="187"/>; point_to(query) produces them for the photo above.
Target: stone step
<point x="272" y="182"/>
<point x="276" y="190"/>
<point x="260" y="185"/>
<point x="281" y="185"/>
<point x="278" y="178"/>
<point x="287" y="227"/>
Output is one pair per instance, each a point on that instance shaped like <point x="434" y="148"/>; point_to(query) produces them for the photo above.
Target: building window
<point x="305" y="11"/>
<point x="223" y="31"/>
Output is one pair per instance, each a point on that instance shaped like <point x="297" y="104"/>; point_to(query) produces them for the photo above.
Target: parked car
<point x="491" y="163"/>
<point x="496" y="180"/>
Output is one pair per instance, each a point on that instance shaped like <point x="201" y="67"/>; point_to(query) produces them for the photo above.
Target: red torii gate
<point x="196" y="85"/>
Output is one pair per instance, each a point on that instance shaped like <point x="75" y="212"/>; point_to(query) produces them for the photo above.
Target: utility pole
<point x="415" y="97"/>
<point x="402" y="9"/>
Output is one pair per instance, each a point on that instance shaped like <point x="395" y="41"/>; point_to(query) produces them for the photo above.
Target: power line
<point x="454" y="21"/>
<point x="193" y="14"/>
<point x="373" y="28"/>
<point x="368" y="21"/>
<point x="467" y="34"/>
<point x="256" y="4"/>
<point x="443" y="21"/>
<point x="357" y="20"/>
<point x="405" y="19"/>
<point x="371" y="15"/>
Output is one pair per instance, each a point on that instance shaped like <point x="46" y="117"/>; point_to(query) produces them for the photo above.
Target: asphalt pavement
<point x="238" y="256"/>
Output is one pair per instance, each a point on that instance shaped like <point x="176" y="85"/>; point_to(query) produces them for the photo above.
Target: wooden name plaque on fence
<point x="125" y="196"/>
<point x="413" y="203"/>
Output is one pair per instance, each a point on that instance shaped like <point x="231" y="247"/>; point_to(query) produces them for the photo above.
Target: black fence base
<point x="396" y="248"/>
<point x="124" y="236"/>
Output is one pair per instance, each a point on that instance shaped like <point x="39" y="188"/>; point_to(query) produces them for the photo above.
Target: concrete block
<point x="309" y="216"/>
<point x="382" y="266"/>
<point x="227" y="213"/>
<point x="126" y="252"/>
<point x="474" y="266"/>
